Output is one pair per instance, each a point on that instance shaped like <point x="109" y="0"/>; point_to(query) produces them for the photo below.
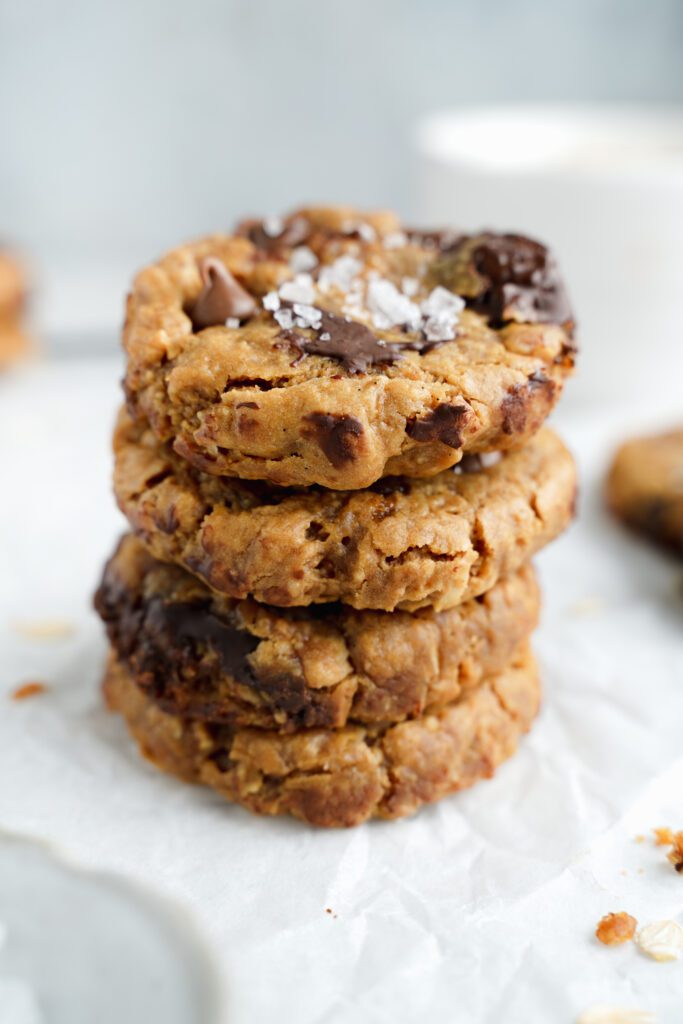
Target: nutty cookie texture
<point x="645" y="487"/>
<point x="339" y="777"/>
<point x="335" y="348"/>
<point x="207" y="657"/>
<point x="401" y="544"/>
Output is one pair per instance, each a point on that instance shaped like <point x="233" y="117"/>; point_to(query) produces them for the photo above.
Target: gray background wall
<point x="127" y="126"/>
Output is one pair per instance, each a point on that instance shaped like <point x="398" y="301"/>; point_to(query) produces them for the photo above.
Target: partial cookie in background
<point x="645" y="487"/>
<point x="340" y="777"/>
<point x="203" y="656"/>
<point x="14" y="340"/>
<point x="403" y="543"/>
<point x="335" y="348"/>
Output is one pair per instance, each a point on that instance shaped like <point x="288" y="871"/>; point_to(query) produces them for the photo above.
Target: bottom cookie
<point x="340" y="777"/>
<point x="645" y="486"/>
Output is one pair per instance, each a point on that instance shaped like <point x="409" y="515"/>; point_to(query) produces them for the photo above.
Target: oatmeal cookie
<point x="401" y="544"/>
<point x="645" y="486"/>
<point x="335" y="348"/>
<point x="339" y="777"/>
<point x="203" y="656"/>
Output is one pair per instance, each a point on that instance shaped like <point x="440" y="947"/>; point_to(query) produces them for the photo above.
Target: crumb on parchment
<point x="31" y="689"/>
<point x="613" y="929"/>
<point x="615" y="1015"/>
<point x="663" y="836"/>
<point x="661" y="940"/>
<point x="44" y="629"/>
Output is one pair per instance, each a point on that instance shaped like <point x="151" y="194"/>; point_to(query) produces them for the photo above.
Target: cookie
<point x="340" y="777"/>
<point x="401" y="544"/>
<point x="14" y="342"/>
<point x="203" y="656"/>
<point x="335" y="348"/>
<point x="645" y="486"/>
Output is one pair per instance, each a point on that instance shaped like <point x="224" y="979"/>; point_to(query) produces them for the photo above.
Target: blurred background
<point x="128" y="127"/>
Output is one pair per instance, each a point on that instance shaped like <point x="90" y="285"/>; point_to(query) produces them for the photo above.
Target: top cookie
<point x="334" y="348"/>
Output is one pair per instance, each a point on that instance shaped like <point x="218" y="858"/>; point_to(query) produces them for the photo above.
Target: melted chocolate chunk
<point x="444" y="423"/>
<point x="519" y="276"/>
<point x="192" y="623"/>
<point x="349" y="341"/>
<point x="339" y="436"/>
<point x="220" y="298"/>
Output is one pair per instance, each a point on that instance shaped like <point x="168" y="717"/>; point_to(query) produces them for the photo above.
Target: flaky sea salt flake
<point x="273" y="226"/>
<point x="271" y="301"/>
<point x="302" y="259"/>
<point x="339" y="274"/>
<point x="395" y="240"/>
<point x="388" y="307"/>
<point x="301" y="289"/>
<point x="285" y="318"/>
<point x="306" y="316"/>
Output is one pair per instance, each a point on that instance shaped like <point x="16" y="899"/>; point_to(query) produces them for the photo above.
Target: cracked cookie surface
<point x="402" y="544"/>
<point x="208" y="657"/>
<point x="340" y="777"/>
<point x="645" y="486"/>
<point x="335" y="348"/>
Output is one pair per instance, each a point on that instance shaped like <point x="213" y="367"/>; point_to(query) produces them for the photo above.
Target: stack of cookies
<point x="333" y="467"/>
<point x="13" y="338"/>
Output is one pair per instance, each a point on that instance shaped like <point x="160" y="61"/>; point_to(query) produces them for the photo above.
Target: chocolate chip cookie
<point x="401" y="544"/>
<point x="334" y="348"/>
<point x="207" y="657"/>
<point x="645" y="487"/>
<point x="14" y="341"/>
<point x="339" y="777"/>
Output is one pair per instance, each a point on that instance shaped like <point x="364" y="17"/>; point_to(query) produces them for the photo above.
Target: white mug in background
<point x="603" y="186"/>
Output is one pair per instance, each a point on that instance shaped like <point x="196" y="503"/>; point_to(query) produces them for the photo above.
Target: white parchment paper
<point x="482" y="908"/>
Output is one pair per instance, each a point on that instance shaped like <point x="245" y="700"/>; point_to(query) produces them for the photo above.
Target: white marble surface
<point x="482" y="908"/>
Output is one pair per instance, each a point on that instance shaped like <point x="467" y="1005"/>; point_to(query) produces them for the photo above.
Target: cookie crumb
<point x="640" y="838"/>
<point x="28" y="690"/>
<point x="328" y="910"/>
<point x="615" y="1015"/>
<point x="663" y="836"/>
<point x="613" y="929"/>
<point x="587" y="606"/>
<point x="675" y="854"/>
<point x="44" y="629"/>
<point x="661" y="940"/>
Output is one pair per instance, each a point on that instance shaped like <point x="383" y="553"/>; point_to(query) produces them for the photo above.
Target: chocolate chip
<point x="444" y="423"/>
<point x="221" y="297"/>
<point x="339" y="436"/>
<point x="347" y="340"/>
<point x="505" y="277"/>
<point x="190" y="623"/>
<point x="521" y="277"/>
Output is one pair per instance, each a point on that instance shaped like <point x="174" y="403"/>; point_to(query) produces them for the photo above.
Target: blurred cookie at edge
<point x="14" y="340"/>
<point x="645" y="486"/>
